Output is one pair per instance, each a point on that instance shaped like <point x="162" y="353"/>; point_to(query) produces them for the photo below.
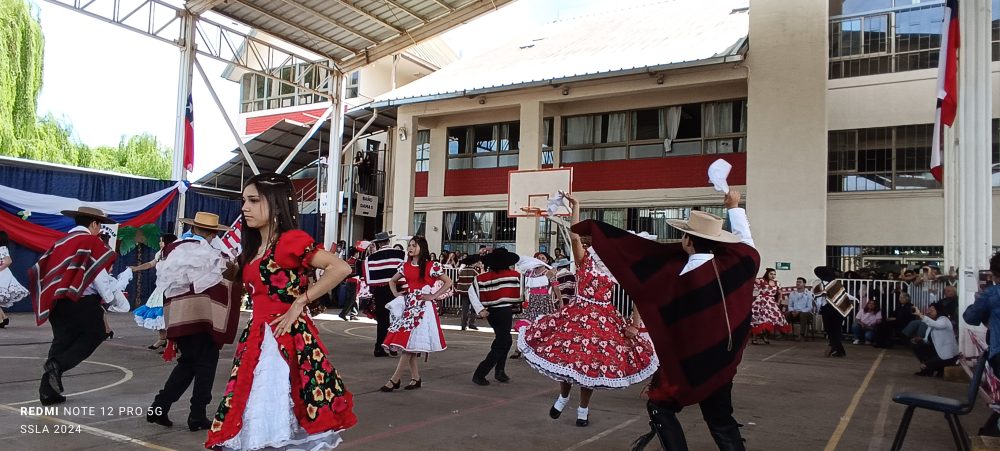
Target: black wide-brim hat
<point x="471" y="260"/>
<point x="825" y="273"/>
<point x="500" y="258"/>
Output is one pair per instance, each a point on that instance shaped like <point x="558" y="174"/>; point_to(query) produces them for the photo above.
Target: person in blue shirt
<point x="986" y="310"/>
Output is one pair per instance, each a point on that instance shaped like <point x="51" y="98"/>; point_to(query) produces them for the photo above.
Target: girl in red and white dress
<point x="415" y="327"/>
<point x="283" y="391"/>
<point x="587" y="342"/>
<point x="766" y="317"/>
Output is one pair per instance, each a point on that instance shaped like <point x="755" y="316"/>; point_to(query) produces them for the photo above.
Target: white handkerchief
<point x="718" y="172"/>
<point x="556" y="202"/>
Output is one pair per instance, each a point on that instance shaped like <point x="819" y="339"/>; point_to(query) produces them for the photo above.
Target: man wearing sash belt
<point x="64" y="292"/>
<point x="379" y="268"/>
<point x="201" y="311"/>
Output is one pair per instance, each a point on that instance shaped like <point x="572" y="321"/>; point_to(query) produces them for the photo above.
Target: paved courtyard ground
<point x="787" y="395"/>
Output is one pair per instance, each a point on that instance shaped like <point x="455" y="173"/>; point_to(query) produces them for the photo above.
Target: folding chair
<point x="950" y="407"/>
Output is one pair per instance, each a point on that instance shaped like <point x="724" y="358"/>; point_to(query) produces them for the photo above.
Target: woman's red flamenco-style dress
<point x="291" y="371"/>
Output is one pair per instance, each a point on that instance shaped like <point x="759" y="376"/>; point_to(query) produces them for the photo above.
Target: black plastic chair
<point x="950" y="407"/>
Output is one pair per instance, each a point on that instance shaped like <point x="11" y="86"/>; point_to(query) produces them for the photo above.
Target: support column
<point x="972" y="128"/>
<point x="433" y="229"/>
<point x="529" y="157"/>
<point x="788" y="218"/>
<point x="438" y="164"/>
<point x="403" y="175"/>
<point x="331" y="226"/>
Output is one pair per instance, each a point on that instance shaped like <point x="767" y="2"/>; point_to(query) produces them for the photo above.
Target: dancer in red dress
<point x="766" y="315"/>
<point x="587" y="342"/>
<point x="415" y="325"/>
<point x="283" y="391"/>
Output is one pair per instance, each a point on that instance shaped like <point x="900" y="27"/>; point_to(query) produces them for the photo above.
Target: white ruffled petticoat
<point x="265" y="423"/>
<point x="10" y="290"/>
<point x="190" y="264"/>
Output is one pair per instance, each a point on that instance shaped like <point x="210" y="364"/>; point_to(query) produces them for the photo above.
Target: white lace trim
<point x="599" y="265"/>
<point x="190" y="264"/>
<point x="11" y="290"/>
<point x="564" y="374"/>
<point x="265" y="425"/>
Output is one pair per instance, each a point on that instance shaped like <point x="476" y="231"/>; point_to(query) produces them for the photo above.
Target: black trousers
<point x="77" y="330"/>
<point x="716" y="410"/>
<point x="928" y="356"/>
<point x="348" y="296"/>
<point x="199" y="357"/>
<point x="832" y="322"/>
<point x="468" y="314"/>
<point x="381" y="296"/>
<point x="500" y="319"/>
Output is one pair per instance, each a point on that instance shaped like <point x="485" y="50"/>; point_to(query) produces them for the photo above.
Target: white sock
<point x="582" y="412"/>
<point x="561" y="402"/>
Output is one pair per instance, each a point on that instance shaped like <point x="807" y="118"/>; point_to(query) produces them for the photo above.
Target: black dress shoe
<point x="160" y="419"/>
<point x="381" y="354"/>
<point x="199" y="424"/>
<point x="582" y="422"/>
<point x="53" y="374"/>
<point x="479" y="380"/>
<point x="48" y="400"/>
<point x="501" y="377"/>
<point x="5" y="322"/>
<point x="553" y="413"/>
<point x="393" y="353"/>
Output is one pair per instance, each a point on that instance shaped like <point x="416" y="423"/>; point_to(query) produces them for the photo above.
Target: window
<point x="882" y="36"/>
<point x="547" y="131"/>
<point x="484" y="146"/>
<point x="692" y="129"/>
<point x="995" y="145"/>
<point x="352" y="86"/>
<point x="877" y="159"/>
<point x="420" y="223"/>
<point x="423" y="155"/>
<point x="467" y="230"/>
<point x="260" y="93"/>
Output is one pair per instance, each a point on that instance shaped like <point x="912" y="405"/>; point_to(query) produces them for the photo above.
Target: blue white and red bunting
<point x="34" y="220"/>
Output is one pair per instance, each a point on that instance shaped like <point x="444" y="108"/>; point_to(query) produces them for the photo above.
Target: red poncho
<point x="685" y="315"/>
<point x="66" y="270"/>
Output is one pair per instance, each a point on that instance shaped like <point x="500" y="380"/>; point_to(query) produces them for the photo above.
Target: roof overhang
<point x="354" y="33"/>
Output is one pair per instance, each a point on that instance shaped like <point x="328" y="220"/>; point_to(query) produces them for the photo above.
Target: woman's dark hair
<point x="277" y="191"/>
<point x="770" y="270"/>
<point x="548" y="258"/>
<point x="424" y="257"/>
<point x="3" y="238"/>
<point x="874" y="309"/>
<point x="168" y="238"/>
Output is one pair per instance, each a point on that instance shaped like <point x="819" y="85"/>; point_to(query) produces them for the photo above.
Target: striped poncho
<point x="686" y="315"/>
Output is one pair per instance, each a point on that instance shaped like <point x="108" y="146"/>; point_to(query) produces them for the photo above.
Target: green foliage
<point x="151" y="235"/>
<point x="126" y="239"/>
<point x="24" y="135"/>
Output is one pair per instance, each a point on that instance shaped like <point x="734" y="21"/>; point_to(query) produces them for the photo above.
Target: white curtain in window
<point x="670" y="121"/>
<point x="450" y="221"/>
<point x="718" y="118"/>
<point x="579" y="130"/>
<point x="616" y="127"/>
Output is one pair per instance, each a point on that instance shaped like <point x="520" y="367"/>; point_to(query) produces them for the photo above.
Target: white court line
<point x="777" y="354"/>
<point x="91" y="430"/>
<point x="846" y="419"/>
<point x="601" y="435"/>
<point x="883" y="412"/>
<point x="126" y="378"/>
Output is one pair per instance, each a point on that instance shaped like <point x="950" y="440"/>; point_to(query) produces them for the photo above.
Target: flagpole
<point x="184" y="80"/>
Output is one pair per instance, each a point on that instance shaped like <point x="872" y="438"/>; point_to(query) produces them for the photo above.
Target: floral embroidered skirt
<point x="283" y="392"/>
<point x="766" y="317"/>
<point x="537" y="305"/>
<point x="416" y="329"/>
<point x="585" y="343"/>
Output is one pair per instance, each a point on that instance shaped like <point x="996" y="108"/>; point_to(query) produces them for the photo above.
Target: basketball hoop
<point x="532" y="211"/>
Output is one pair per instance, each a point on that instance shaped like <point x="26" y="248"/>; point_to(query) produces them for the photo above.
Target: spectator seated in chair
<point x="801" y="308"/>
<point x="938" y="348"/>
<point x="865" y="323"/>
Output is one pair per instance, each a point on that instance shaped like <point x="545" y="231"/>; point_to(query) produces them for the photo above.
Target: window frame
<point x="272" y="96"/>
<point x="470" y="157"/>
<point x="422" y="164"/>
<point x="897" y="146"/>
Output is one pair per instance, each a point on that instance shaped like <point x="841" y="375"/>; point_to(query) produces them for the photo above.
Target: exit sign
<point x="783" y="266"/>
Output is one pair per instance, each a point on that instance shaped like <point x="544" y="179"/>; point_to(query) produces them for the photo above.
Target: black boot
<point x="728" y="438"/>
<point x="158" y="414"/>
<point x="663" y="424"/>
<point x="54" y="375"/>
<point x="48" y="395"/>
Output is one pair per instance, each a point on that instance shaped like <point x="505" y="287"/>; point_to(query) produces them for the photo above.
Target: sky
<point x="109" y="82"/>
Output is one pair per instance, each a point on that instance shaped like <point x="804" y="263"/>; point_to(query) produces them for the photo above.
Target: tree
<point x="24" y="135"/>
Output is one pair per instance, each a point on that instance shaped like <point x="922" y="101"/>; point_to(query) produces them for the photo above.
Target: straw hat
<point x="89" y="212"/>
<point x="704" y="225"/>
<point x="205" y="220"/>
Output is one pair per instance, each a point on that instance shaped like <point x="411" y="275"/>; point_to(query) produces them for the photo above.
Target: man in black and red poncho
<point x="695" y="300"/>
<point x="64" y="293"/>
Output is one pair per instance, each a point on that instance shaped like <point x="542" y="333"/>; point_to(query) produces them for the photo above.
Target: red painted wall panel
<point x="420" y="185"/>
<point x="261" y="123"/>
<point x="472" y="182"/>
<point x="654" y="173"/>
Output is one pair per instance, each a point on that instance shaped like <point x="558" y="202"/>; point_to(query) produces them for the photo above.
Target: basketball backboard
<point x="528" y="191"/>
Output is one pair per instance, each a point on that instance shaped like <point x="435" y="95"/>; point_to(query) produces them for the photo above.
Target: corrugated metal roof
<point x="355" y="32"/>
<point x="662" y="35"/>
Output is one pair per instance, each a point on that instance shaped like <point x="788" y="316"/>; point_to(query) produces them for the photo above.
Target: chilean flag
<point x="189" y="136"/>
<point x="947" y="85"/>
